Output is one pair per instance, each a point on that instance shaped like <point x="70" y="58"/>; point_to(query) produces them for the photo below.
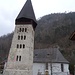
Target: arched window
<point x="18" y="37"/>
<point x="23" y="45"/>
<point x="20" y="46"/>
<point x="25" y="29"/>
<point x="22" y="29"/>
<point x="24" y="37"/>
<point x="62" y="69"/>
<point x="17" y="45"/>
<point x="19" y="58"/>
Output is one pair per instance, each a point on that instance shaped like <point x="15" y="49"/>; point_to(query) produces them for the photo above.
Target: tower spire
<point x="27" y="14"/>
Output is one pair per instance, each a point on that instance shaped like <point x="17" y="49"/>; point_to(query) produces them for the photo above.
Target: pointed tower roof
<point x="27" y="15"/>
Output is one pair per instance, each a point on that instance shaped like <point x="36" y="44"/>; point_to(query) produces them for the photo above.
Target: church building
<point x="50" y="62"/>
<point x="20" y="58"/>
<point x="23" y="59"/>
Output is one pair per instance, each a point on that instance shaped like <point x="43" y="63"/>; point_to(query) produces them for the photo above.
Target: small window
<point x="17" y="45"/>
<point x="20" y="46"/>
<point x="23" y="45"/>
<point x="21" y="37"/>
<point x="18" y="37"/>
<point x="25" y="29"/>
<point x="46" y="66"/>
<point x="62" y="69"/>
<point x="24" y="37"/>
<point x="22" y="29"/>
<point x="19" y="58"/>
<point x="48" y="54"/>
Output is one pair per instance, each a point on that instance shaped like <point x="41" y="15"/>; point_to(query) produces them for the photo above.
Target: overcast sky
<point x="9" y="10"/>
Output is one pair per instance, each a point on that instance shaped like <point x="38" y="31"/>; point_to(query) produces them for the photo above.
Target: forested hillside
<point x="52" y="30"/>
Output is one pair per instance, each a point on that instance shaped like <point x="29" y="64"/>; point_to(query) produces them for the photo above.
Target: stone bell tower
<point x="20" y="59"/>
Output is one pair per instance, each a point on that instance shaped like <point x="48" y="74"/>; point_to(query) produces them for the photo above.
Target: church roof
<point x="48" y="55"/>
<point x="27" y="13"/>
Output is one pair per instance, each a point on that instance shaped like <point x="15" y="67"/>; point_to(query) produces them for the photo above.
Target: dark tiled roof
<point x="48" y="55"/>
<point x="27" y="14"/>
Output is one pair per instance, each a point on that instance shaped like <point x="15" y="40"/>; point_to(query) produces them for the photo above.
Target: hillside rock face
<point x="53" y="30"/>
